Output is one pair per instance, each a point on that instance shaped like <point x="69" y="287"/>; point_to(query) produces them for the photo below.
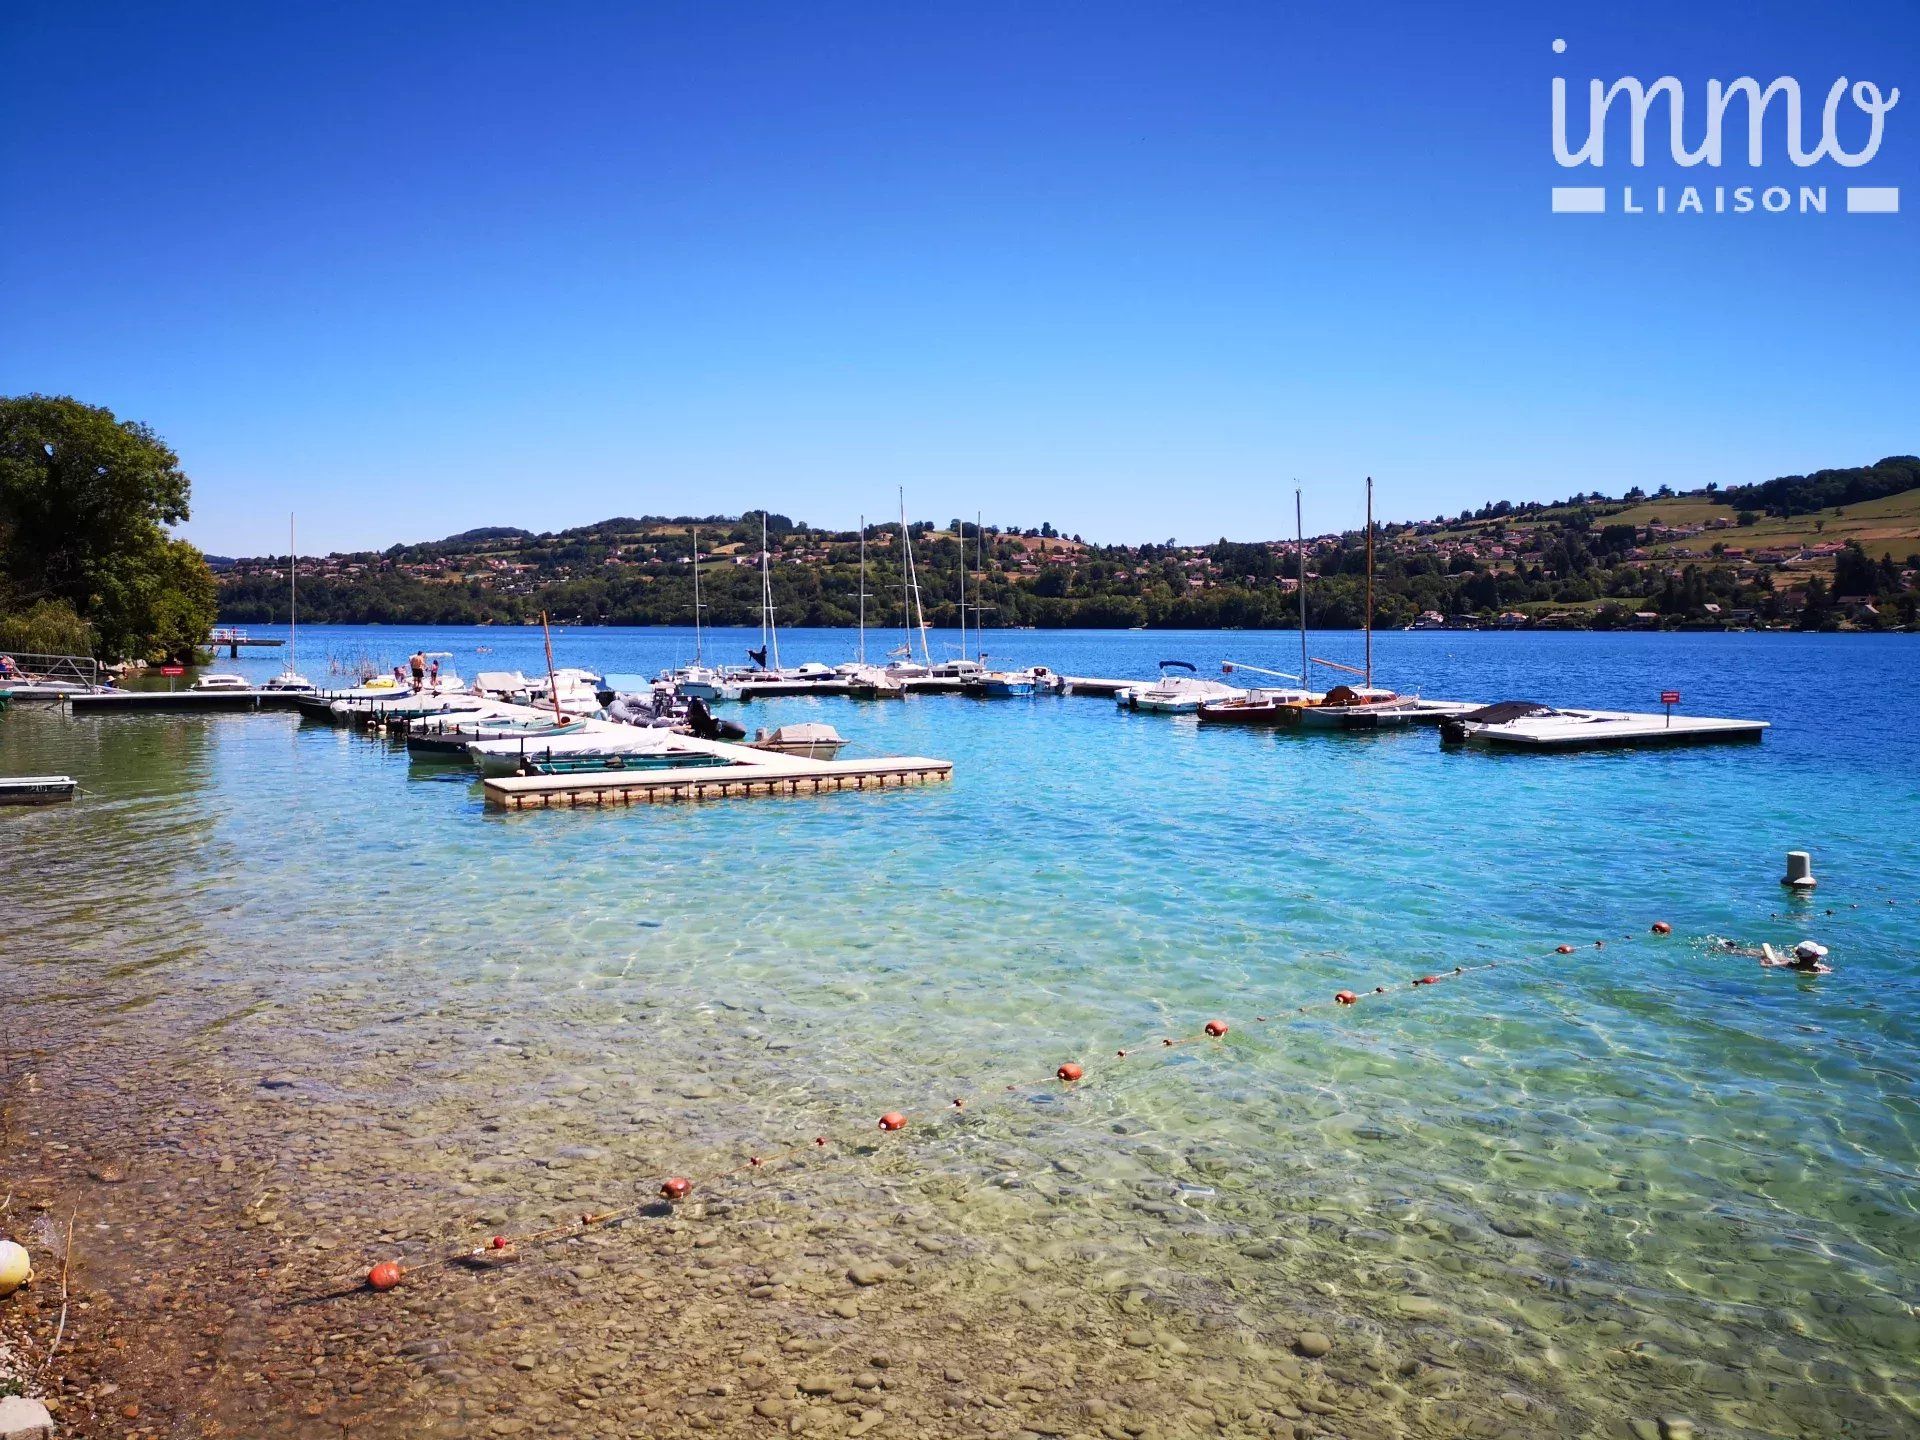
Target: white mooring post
<point x="1799" y="874"/>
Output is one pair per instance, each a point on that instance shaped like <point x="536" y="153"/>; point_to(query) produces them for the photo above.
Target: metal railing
<point x="71" y="669"/>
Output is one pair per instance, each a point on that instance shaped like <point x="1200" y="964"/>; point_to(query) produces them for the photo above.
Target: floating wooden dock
<point x="767" y="774"/>
<point x="136" y="702"/>
<point x="1602" y="729"/>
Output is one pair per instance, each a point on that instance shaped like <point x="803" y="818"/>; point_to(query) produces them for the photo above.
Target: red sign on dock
<point x="172" y="670"/>
<point x="1669" y="697"/>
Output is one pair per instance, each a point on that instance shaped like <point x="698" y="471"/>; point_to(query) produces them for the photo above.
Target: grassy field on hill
<point x="1887" y="526"/>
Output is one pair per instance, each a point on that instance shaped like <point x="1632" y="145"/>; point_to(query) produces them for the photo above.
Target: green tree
<point x="85" y="500"/>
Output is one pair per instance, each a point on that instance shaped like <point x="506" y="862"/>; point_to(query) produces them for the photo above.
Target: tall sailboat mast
<point x="769" y="628"/>
<point x="906" y="584"/>
<point x="910" y="583"/>
<point x="293" y="598"/>
<point x="1300" y="559"/>
<point x="962" y="538"/>
<point x="696" y="597"/>
<point x="979" y="614"/>
<point x="1369" y="582"/>
<point x="863" y="589"/>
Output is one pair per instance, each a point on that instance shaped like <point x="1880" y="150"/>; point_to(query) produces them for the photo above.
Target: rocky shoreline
<point x="224" y="1215"/>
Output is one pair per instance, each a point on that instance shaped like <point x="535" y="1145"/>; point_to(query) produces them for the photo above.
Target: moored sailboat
<point x="1354" y="707"/>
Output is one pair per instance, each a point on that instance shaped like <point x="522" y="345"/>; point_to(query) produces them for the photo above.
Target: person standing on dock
<point x="418" y="664"/>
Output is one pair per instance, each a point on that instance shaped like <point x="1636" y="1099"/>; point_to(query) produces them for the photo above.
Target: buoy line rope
<point x="500" y="1249"/>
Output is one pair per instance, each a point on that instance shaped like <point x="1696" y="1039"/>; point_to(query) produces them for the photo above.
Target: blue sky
<point x="1131" y="269"/>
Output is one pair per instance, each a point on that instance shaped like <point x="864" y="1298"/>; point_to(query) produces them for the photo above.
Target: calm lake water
<point x="1640" y="1181"/>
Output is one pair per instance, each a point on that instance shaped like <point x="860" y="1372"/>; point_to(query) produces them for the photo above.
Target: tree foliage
<point x="85" y="502"/>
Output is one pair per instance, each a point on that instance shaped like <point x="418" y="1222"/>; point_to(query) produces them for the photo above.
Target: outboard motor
<point x="700" y="720"/>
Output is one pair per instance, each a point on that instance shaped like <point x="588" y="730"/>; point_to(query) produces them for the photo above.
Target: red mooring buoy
<point x="1069" y="1072"/>
<point x="893" y="1120"/>
<point x="1216" y="1028"/>
<point x="1345" y="997"/>
<point x="1563" y="949"/>
<point x="385" y="1275"/>
<point x="1661" y="927"/>
<point x="676" y="1188"/>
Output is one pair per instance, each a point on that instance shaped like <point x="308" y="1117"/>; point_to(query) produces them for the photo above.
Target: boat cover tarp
<point x="1504" y="710"/>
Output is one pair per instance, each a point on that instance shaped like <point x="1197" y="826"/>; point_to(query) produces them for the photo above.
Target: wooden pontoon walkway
<point x="766" y="773"/>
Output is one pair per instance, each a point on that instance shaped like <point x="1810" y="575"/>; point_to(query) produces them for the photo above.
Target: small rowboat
<point x="36" y="789"/>
<point x="809" y="740"/>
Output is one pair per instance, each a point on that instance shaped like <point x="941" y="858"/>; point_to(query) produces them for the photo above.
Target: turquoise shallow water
<point x="1632" y="1173"/>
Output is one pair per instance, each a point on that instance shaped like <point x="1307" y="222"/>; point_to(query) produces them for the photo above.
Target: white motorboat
<point x="702" y="682"/>
<point x="32" y="689"/>
<point x="962" y="670"/>
<point x="1176" y="694"/>
<point x="208" y="683"/>
<point x="579" y="692"/>
<point x="870" y="682"/>
<point x="288" y="682"/>
<point x="810" y="740"/>
<point x="500" y="684"/>
<point x="36" y="789"/>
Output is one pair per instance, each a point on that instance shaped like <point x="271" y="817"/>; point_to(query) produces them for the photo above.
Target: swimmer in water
<point x="1808" y="958"/>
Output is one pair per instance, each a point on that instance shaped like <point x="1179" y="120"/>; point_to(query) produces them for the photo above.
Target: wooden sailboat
<point x="1265" y="706"/>
<point x="1363" y="706"/>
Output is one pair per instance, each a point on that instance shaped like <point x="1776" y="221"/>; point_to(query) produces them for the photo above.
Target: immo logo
<point x="1777" y="121"/>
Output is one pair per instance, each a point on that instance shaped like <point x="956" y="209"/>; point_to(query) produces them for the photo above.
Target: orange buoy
<point x="385" y="1275"/>
<point x="1563" y="949"/>
<point x="1428" y="980"/>
<point x="499" y="1242"/>
<point x="1069" y="1072"/>
<point x="958" y="1103"/>
<point x="1216" y="1028"/>
<point x="893" y="1120"/>
<point x="676" y="1188"/>
<point x="820" y="1140"/>
<point x="1346" y="997"/>
<point x="1661" y="927"/>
